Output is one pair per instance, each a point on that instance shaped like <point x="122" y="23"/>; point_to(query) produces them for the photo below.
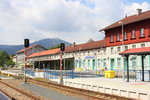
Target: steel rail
<point x="18" y="90"/>
<point x="91" y="95"/>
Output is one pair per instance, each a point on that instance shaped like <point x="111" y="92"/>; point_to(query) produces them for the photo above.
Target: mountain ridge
<point x="47" y="43"/>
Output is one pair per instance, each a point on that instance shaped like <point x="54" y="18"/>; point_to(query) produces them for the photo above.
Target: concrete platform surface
<point x="117" y="86"/>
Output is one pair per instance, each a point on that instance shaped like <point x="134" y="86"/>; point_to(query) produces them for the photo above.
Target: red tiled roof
<point x="129" y="19"/>
<point x="81" y="47"/>
<point x="86" y="46"/>
<point x="136" y="51"/>
<point x="47" y="52"/>
<point x="28" y="48"/>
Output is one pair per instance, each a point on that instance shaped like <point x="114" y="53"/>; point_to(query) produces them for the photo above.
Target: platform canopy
<point x="136" y="51"/>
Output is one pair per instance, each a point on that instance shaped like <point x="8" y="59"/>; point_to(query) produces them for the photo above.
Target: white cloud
<point x="131" y="8"/>
<point x="71" y="20"/>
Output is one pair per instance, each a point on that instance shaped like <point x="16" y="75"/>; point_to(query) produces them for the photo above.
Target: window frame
<point x="125" y="36"/>
<point x="125" y="47"/>
<point x="133" y="34"/>
<point x="118" y="49"/>
<point x="142" y="33"/>
<point x="118" y="37"/>
<point x="111" y="38"/>
<point x="119" y="62"/>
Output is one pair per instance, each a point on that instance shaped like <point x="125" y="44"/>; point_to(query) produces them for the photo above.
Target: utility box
<point x="109" y="74"/>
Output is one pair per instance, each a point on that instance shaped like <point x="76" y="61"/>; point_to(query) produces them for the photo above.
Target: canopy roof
<point x="137" y="51"/>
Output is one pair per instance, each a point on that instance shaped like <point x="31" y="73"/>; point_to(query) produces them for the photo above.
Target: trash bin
<point x="109" y="74"/>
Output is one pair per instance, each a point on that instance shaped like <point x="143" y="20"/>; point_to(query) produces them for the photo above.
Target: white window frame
<point x="133" y="46"/>
<point x="118" y="62"/>
<point x="134" y="62"/>
<point x="112" y="50"/>
<point x="126" y="47"/>
<point x="118" y="37"/>
<point x="125" y="35"/>
<point x="133" y="34"/>
<point x="142" y="32"/>
<point x="111" y="38"/>
<point x="143" y="45"/>
<point x="119" y="49"/>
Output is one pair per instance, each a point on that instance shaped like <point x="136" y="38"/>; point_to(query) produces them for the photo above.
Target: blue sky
<point x="70" y="20"/>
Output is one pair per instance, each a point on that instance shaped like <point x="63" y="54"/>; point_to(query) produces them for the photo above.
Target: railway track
<point x="85" y="94"/>
<point x="14" y="93"/>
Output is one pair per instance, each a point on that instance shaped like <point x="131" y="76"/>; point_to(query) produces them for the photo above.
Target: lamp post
<point x="122" y="30"/>
<point x="80" y="58"/>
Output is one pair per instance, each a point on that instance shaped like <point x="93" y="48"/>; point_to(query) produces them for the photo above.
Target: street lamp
<point x="122" y="48"/>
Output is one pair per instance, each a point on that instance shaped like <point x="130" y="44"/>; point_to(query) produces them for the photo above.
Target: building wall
<point x="89" y="59"/>
<point x="128" y="28"/>
<point x="134" y="61"/>
<point x="21" y="56"/>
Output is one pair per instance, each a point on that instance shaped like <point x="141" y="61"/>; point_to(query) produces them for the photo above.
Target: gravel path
<point x="18" y="85"/>
<point x="47" y="93"/>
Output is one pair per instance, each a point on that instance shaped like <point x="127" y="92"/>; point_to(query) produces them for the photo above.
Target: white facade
<point x="20" y="56"/>
<point x="134" y="61"/>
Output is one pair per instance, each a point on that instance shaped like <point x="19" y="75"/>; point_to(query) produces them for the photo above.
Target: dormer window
<point x="118" y="37"/>
<point x="111" y="38"/>
<point x="142" y="32"/>
<point x="133" y="34"/>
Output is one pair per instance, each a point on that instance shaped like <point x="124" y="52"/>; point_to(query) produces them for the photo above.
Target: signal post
<point x="26" y="45"/>
<point x="62" y="49"/>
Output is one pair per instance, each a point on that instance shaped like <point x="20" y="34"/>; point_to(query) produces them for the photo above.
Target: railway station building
<point x="128" y="33"/>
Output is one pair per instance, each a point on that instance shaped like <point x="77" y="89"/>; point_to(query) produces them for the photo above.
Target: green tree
<point x="9" y="62"/>
<point x="5" y="59"/>
<point x="57" y="46"/>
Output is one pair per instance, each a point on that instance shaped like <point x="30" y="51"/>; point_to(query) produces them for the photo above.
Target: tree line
<point x="5" y="59"/>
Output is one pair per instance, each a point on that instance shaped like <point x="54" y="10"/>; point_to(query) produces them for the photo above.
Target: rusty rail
<point x="88" y="94"/>
<point x="20" y="91"/>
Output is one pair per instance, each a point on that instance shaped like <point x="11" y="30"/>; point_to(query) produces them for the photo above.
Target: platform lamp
<point x="62" y="49"/>
<point x="122" y="31"/>
<point x="26" y="45"/>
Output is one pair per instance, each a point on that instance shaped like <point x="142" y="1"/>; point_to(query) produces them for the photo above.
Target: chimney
<point x="73" y="45"/>
<point x="139" y="11"/>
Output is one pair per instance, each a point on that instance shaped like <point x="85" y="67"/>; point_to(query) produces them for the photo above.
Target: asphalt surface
<point x="47" y="93"/>
<point x="3" y="97"/>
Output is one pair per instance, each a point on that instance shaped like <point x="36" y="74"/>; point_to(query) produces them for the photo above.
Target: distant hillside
<point x="47" y="43"/>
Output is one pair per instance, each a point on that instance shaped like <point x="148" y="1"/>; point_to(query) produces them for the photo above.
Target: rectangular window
<point x="104" y="63"/>
<point x="112" y="50"/>
<point x="88" y="63"/>
<point x="142" y="32"/>
<point x="133" y="34"/>
<point x="142" y="45"/>
<point x="118" y="49"/>
<point x="118" y="62"/>
<point x="99" y="63"/>
<point x="118" y="37"/>
<point x="133" y="62"/>
<point x="133" y="46"/>
<point x="126" y="47"/>
<point x="125" y="35"/>
<point x="111" y="38"/>
<point x="104" y="50"/>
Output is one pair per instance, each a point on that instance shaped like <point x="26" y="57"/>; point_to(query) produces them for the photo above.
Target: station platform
<point x="117" y="86"/>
